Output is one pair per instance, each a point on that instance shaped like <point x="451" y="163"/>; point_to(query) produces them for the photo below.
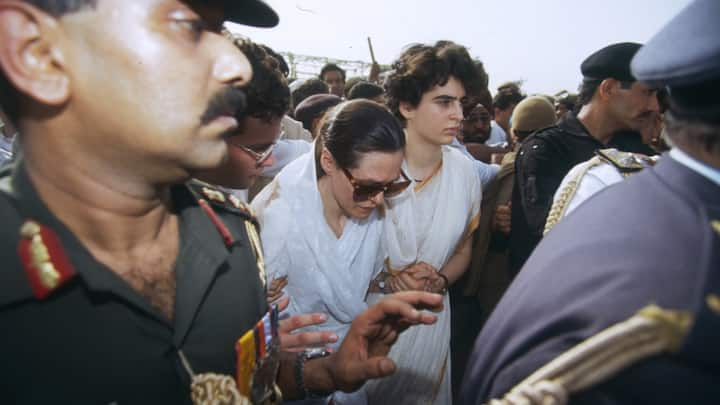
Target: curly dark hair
<point x="268" y="94"/>
<point x="421" y="67"/>
<point x="8" y="93"/>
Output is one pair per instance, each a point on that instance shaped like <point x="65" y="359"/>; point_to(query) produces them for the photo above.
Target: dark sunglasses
<point x="362" y="192"/>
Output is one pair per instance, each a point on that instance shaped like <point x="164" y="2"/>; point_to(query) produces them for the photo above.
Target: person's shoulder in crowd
<point x="608" y="167"/>
<point x="586" y="271"/>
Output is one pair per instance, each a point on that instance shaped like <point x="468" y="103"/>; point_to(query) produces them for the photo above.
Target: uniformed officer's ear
<point x="29" y="56"/>
<point x="606" y="88"/>
<point x="407" y="110"/>
<point x="327" y="161"/>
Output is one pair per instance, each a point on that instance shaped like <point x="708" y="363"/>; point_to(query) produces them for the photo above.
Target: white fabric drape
<point x="325" y="273"/>
<point x="427" y="225"/>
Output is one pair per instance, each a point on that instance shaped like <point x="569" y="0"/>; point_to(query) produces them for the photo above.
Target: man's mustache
<point x="230" y="101"/>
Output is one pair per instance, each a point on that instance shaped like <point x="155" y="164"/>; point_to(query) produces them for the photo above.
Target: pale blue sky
<point x="542" y="42"/>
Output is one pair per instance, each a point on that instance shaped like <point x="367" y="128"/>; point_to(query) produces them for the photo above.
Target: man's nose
<point x="231" y="65"/>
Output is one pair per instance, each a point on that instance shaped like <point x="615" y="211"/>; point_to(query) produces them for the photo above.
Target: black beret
<point x="314" y="107"/>
<point x="684" y="58"/>
<point x="255" y="13"/>
<point x="613" y="61"/>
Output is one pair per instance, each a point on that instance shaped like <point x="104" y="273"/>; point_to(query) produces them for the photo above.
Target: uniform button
<point x="713" y="302"/>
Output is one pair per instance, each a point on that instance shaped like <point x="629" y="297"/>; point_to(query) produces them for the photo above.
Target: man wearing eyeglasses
<point x="250" y="148"/>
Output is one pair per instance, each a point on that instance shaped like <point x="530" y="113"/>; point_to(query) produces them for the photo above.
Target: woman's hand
<point x="418" y="277"/>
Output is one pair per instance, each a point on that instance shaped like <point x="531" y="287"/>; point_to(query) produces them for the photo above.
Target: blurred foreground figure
<point x="652" y="239"/>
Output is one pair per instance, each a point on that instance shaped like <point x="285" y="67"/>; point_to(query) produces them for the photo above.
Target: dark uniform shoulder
<point x="207" y="195"/>
<point x="34" y="263"/>
<point x="221" y="199"/>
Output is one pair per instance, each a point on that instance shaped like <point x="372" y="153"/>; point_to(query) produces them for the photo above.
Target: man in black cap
<point x="121" y="283"/>
<point x="611" y="101"/>
<point x="652" y="239"/>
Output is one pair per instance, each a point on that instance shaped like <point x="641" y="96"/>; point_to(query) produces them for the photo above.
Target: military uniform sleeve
<point x="536" y="182"/>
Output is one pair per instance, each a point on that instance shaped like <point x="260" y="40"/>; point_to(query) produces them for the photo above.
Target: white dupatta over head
<point x="325" y="273"/>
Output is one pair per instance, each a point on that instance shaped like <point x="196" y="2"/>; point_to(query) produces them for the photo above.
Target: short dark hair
<point x="268" y="94"/>
<point x="421" y="67"/>
<point x="356" y="127"/>
<point x="9" y="96"/>
<point x="309" y="88"/>
<point x="331" y="67"/>
<point x="349" y="83"/>
<point x="365" y="90"/>
<point x="588" y="87"/>
<point x="586" y="91"/>
<point x="508" y="95"/>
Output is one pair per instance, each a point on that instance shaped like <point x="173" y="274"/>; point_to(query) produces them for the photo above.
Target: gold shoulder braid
<point x="559" y="207"/>
<point x="257" y="249"/>
<point x="626" y="164"/>
<point x="650" y="332"/>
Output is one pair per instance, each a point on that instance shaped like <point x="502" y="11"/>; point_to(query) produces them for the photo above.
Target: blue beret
<point x="684" y="59"/>
<point x="613" y="61"/>
<point x="255" y="13"/>
<point x="686" y="51"/>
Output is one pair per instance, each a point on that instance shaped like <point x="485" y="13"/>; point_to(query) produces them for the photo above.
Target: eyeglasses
<point x="259" y="157"/>
<point x="364" y="192"/>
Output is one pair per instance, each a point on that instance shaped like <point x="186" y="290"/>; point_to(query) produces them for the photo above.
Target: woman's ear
<point x="327" y="161"/>
<point x="407" y="110"/>
<point x="31" y="55"/>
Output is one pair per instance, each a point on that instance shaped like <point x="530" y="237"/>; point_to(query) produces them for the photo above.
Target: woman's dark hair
<point x="422" y="67"/>
<point x="356" y="127"/>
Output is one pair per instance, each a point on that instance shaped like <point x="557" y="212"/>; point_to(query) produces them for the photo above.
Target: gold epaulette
<point x="625" y="162"/>
<point x="559" y="207"/>
<point x="221" y="198"/>
<point x="652" y="331"/>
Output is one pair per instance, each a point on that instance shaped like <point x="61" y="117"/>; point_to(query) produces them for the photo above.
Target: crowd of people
<point x="212" y="231"/>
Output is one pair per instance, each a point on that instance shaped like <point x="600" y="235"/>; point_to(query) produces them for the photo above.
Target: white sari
<point x="325" y="273"/>
<point x="428" y="225"/>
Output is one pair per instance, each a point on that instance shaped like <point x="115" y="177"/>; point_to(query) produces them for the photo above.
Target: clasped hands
<point x="420" y="276"/>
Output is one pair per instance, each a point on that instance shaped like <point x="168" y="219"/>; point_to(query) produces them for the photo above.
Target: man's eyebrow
<point x="445" y="97"/>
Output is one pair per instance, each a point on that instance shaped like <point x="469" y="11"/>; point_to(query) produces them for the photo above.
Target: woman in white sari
<point x="429" y="236"/>
<point x="320" y="218"/>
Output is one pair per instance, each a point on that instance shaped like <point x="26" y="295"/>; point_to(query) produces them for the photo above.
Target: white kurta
<point x="428" y="225"/>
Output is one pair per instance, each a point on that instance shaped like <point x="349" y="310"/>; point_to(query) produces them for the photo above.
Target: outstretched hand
<point x="362" y="355"/>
